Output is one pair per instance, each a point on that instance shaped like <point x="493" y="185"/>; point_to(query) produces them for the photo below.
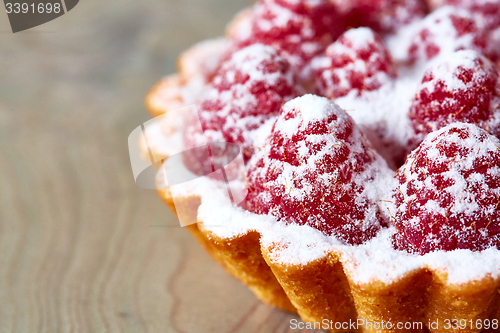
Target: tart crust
<point x="240" y="256"/>
<point x="325" y="289"/>
<point x="166" y="95"/>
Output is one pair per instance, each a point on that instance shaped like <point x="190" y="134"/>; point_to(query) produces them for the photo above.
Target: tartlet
<point x="402" y="80"/>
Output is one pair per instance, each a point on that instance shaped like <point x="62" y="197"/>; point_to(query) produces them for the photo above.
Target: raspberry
<point x="460" y="88"/>
<point x="487" y="12"/>
<point x="383" y="16"/>
<point x="248" y="89"/>
<point x="300" y="30"/>
<point x="318" y="170"/>
<point x="445" y="31"/>
<point x="358" y="61"/>
<point x="489" y="9"/>
<point x="449" y="192"/>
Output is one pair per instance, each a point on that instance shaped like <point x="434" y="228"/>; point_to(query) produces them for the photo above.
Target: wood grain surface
<point x="82" y="248"/>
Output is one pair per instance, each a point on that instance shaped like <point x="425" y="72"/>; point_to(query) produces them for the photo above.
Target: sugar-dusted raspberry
<point x="318" y="170"/>
<point x="300" y="30"/>
<point x="444" y="31"/>
<point x="460" y="88"/>
<point x="449" y="192"/>
<point x="358" y="61"/>
<point x="489" y="9"/>
<point x="384" y="16"/>
<point x="487" y="13"/>
<point x="248" y="89"/>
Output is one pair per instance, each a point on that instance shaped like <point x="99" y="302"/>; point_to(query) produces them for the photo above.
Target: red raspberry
<point x="318" y="170"/>
<point x="489" y="9"/>
<point x="460" y="88"/>
<point x="449" y="192"/>
<point x="248" y="89"/>
<point x="487" y="12"/>
<point x="383" y="16"/>
<point x="445" y="31"/>
<point x="358" y="60"/>
<point x="300" y="30"/>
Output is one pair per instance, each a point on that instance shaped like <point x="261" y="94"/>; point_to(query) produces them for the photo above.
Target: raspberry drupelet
<point x="357" y="61"/>
<point x="317" y="169"/>
<point x="449" y="192"/>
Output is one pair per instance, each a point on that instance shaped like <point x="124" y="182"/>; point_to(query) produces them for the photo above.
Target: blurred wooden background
<point x="82" y="248"/>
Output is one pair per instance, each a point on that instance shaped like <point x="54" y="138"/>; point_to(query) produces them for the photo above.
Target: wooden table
<point x="82" y="248"/>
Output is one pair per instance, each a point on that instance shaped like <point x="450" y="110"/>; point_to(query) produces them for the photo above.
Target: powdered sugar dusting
<point x="463" y="266"/>
<point x="297" y="244"/>
<point x="312" y="109"/>
<point x="359" y="38"/>
<point x="466" y="59"/>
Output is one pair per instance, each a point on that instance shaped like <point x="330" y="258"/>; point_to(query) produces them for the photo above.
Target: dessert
<point x="370" y="154"/>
